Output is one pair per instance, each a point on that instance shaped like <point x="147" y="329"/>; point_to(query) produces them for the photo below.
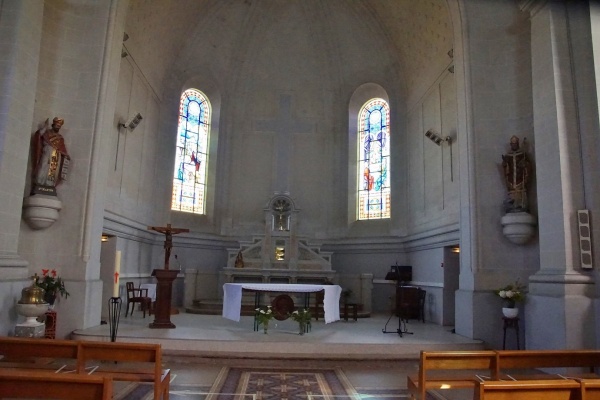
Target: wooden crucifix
<point x="169" y="232"/>
<point x="164" y="278"/>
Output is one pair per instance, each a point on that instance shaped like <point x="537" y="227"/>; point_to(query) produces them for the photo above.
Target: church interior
<point x="305" y="142"/>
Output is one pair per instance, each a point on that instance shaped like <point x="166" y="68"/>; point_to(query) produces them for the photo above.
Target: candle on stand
<point x="117" y="273"/>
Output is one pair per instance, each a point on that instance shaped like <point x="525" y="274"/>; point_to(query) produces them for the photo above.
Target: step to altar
<point x="215" y="307"/>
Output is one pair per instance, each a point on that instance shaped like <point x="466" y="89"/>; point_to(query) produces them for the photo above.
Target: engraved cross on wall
<point x="283" y="126"/>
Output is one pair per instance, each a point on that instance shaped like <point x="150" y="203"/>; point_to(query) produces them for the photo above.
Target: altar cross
<point x="169" y="232"/>
<point x="284" y="125"/>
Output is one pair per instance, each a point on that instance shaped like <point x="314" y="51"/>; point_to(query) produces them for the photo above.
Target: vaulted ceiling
<point x="416" y="34"/>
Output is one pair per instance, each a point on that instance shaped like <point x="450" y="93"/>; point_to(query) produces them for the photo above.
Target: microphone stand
<point x="401" y="328"/>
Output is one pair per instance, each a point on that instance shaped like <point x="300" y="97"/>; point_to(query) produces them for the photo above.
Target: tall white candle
<point x="117" y="273"/>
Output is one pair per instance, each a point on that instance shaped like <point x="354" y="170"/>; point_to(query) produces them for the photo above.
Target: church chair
<point x="137" y="295"/>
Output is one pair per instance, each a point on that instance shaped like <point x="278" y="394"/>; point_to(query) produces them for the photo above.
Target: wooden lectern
<point x="164" y="280"/>
<point x="164" y="285"/>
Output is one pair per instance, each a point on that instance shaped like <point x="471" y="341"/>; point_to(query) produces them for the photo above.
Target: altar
<point x="232" y="297"/>
<point x="280" y="255"/>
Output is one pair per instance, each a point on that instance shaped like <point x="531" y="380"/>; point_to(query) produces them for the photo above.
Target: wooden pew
<point x="37" y="353"/>
<point x="120" y="361"/>
<point x="451" y="369"/>
<point x="590" y="389"/>
<point x="136" y="362"/>
<point x="544" y="389"/>
<point x="572" y="363"/>
<point x="28" y="384"/>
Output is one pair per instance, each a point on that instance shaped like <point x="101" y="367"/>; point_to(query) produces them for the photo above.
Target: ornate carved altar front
<point x="280" y="255"/>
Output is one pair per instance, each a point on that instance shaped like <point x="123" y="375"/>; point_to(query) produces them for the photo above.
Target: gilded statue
<point x="239" y="260"/>
<point x="50" y="158"/>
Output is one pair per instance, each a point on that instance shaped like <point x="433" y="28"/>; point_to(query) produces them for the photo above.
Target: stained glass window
<point x="374" y="194"/>
<point x="193" y="130"/>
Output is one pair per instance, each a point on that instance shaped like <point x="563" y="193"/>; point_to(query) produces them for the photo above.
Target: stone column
<point x="560" y="288"/>
<point x="20" y="41"/>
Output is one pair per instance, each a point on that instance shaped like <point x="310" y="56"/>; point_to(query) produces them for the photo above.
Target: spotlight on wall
<point x="132" y="123"/>
<point x="436" y="138"/>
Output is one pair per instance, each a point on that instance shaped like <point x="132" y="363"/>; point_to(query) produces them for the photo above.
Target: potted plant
<point x="511" y="295"/>
<point x="52" y="284"/>
<point x="302" y="317"/>
<point x="263" y="316"/>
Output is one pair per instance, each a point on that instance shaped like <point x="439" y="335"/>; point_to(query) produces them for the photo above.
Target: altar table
<point x="232" y="297"/>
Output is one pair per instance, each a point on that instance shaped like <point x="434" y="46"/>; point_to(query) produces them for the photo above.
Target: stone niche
<point x="279" y="255"/>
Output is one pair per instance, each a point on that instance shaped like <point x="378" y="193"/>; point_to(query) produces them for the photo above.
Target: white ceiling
<point x="415" y="34"/>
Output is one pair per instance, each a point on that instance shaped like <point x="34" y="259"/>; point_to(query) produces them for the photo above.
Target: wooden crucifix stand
<point x="164" y="278"/>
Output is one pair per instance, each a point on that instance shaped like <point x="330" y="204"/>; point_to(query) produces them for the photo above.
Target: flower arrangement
<point x="51" y="283"/>
<point x="264" y="315"/>
<point x="301" y="316"/>
<point x="512" y="294"/>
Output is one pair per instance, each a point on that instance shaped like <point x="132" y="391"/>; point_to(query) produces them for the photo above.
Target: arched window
<point x="191" y="157"/>
<point x="374" y="197"/>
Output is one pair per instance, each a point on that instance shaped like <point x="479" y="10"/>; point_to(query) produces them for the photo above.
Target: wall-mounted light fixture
<point x="436" y="138"/>
<point x="132" y="123"/>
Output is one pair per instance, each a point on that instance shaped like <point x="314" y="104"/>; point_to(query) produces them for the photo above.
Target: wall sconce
<point x="437" y="139"/>
<point x="132" y="123"/>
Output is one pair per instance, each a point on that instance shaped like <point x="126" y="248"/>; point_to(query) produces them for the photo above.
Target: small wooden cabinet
<point x="410" y="302"/>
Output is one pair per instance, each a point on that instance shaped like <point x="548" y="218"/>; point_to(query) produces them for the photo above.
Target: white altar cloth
<point x="232" y="297"/>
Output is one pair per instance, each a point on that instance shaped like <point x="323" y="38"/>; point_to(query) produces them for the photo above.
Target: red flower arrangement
<point x="51" y="283"/>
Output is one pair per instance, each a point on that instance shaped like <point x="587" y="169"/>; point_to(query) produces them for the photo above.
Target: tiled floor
<point x="214" y="336"/>
<point x="201" y="345"/>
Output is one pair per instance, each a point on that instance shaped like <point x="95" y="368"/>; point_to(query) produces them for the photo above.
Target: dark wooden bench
<point x="547" y="389"/>
<point x="512" y="364"/>
<point x="450" y="370"/>
<point x="135" y="362"/>
<point x="39" y="384"/>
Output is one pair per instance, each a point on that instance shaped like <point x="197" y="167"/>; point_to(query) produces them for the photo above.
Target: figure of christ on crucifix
<point x="169" y="232"/>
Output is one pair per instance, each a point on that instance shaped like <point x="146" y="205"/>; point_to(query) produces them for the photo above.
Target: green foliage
<point x="51" y="283"/>
<point x="263" y="315"/>
<point x="301" y="316"/>
<point x="512" y="294"/>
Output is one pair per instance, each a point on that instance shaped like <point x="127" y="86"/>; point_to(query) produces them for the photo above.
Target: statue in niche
<point x="239" y="260"/>
<point x="516" y="168"/>
<point x="50" y="158"/>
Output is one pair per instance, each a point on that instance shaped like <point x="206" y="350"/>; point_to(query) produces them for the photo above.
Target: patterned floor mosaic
<point x="267" y="384"/>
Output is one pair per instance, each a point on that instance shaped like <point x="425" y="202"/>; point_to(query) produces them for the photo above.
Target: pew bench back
<point x="39" y="384"/>
<point x="451" y="369"/>
<point x="546" y="389"/>
<point x="135" y="362"/>
<point x="120" y="361"/>
<point x="590" y="389"/>
<point x="578" y="363"/>
<point x="37" y="353"/>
